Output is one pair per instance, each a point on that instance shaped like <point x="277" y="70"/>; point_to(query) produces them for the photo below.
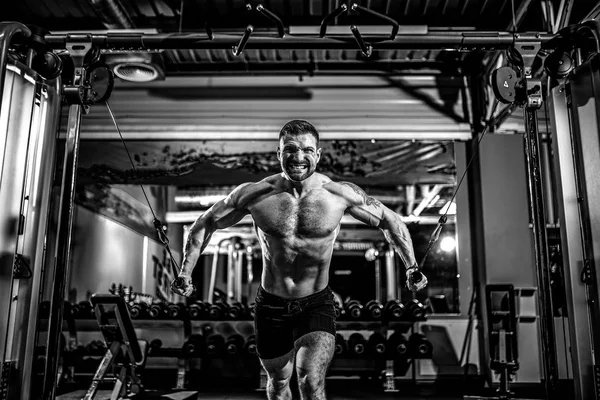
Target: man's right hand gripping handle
<point x="183" y="286"/>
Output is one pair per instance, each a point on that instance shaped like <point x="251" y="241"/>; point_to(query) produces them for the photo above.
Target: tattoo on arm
<point x="370" y="201"/>
<point x="399" y="238"/>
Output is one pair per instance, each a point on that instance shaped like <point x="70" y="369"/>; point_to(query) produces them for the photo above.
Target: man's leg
<point x="274" y="343"/>
<point x="279" y="372"/>
<point x="314" y="354"/>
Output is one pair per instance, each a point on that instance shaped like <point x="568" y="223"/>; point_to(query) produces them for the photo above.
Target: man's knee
<point x="279" y="382"/>
<point x="310" y="380"/>
<point x="279" y="371"/>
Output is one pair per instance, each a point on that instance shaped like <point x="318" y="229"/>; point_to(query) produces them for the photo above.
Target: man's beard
<point x="298" y="174"/>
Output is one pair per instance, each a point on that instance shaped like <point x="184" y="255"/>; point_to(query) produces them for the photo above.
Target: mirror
<point x="183" y="178"/>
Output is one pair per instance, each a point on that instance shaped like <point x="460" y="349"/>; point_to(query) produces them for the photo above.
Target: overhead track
<point x="452" y="40"/>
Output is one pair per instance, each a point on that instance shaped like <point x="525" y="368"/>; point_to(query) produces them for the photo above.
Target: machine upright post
<point x="63" y="245"/>
<point x="538" y="219"/>
<point x="78" y="46"/>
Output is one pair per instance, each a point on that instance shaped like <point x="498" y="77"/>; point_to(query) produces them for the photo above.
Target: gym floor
<point x="337" y="390"/>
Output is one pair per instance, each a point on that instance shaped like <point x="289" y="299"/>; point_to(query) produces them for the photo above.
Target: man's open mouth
<point x="298" y="167"/>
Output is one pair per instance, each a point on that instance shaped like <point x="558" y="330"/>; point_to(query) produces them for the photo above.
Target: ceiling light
<point x="136" y="72"/>
<point x="137" y="67"/>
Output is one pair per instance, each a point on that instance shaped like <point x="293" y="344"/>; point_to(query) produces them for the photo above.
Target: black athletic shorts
<point x="279" y="322"/>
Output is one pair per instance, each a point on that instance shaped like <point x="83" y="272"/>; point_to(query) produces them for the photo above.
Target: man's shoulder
<point x="348" y="190"/>
<point x="272" y="179"/>
<point x="342" y="185"/>
<point x="269" y="181"/>
<point x="342" y="188"/>
<point x="249" y="190"/>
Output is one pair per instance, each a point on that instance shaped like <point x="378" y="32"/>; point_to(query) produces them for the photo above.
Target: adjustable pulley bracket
<point x="92" y="82"/>
<point x="528" y="51"/>
<point x="517" y="85"/>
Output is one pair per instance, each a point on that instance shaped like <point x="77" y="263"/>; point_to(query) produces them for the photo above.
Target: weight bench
<point x="125" y="351"/>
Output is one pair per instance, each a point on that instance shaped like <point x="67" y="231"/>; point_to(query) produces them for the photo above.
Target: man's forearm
<point x="197" y="241"/>
<point x="397" y="234"/>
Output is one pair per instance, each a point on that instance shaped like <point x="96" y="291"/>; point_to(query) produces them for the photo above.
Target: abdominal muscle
<point x="294" y="267"/>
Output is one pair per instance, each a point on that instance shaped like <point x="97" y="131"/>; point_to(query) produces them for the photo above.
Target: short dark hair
<point x="299" y="127"/>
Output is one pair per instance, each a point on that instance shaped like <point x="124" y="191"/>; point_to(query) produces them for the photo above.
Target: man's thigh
<point x="273" y="331"/>
<point x="314" y="334"/>
<point x="314" y="352"/>
<point x="281" y="367"/>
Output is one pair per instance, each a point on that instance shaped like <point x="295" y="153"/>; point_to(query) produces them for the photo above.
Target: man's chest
<point x="314" y="215"/>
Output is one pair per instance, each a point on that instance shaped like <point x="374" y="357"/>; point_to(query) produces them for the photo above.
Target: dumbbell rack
<point x="388" y="366"/>
<point x="174" y="331"/>
<point x="186" y="363"/>
<point x="174" y="349"/>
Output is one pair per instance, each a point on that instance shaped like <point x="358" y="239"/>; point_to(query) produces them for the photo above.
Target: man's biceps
<point x="231" y="218"/>
<point x="365" y="215"/>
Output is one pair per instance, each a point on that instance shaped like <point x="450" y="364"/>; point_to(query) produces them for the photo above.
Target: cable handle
<point x="161" y="230"/>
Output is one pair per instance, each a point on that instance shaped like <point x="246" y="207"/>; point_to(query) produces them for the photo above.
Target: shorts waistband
<point x="273" y="297"/>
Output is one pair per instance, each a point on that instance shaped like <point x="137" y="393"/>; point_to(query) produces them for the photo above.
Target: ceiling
<point x="188" y="16"/>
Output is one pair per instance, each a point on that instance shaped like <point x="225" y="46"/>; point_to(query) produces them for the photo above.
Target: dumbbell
<point x="373" y="309"/>
<point x="394" y="310"/>
<point x="217" y="311"/>
<point x="340" y="346"/>
<point x="234" y="344"/>
<point x="176" y="311"/>
<point x="251" y="310"/>
<point x="419" y="346"/>
<point x="415" y="309"/>
<point x="215" y="345"/>
<point x="250" y="345"/>
<point x="157" y="310"/>
<point x="353" y="309"/>
<point x="193" y="346"/>
<point x="138" y="310"/>
<point x="356" y="344"/>
<point x="236" y="311"/>
<point x="376" y="345"/>
<point x="198" y="310"/>
<point x="397" y="345"/>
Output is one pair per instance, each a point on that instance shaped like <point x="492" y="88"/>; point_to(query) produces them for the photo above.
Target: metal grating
<point x="165" y="14"/>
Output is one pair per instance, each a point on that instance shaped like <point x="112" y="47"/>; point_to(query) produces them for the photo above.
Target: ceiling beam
<point x="454" y="40"/>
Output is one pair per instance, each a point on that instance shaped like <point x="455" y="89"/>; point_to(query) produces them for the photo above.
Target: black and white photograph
<point x="300" y="200"/>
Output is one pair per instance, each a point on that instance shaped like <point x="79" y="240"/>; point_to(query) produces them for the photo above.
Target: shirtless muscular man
<point x="297" y="216"/>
